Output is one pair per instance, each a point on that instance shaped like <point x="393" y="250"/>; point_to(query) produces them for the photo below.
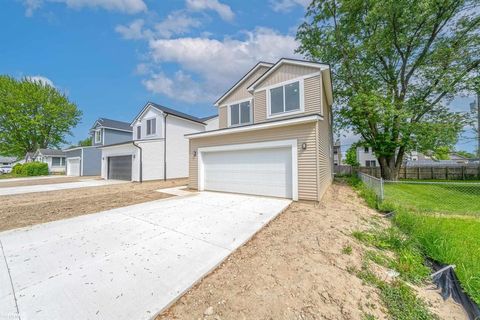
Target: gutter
<point x="165" y="147"/>
<point x="141" y="165"/>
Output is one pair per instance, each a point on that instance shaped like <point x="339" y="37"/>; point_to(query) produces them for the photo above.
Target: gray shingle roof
<point x="51" y="152"/>
<point x="175" y="112"/>
<point x="4" y="159"/>
<point x="115" y="124"/>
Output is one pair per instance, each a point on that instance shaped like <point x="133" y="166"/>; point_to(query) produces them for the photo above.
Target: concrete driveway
<point x="57" y="186"/>
<point x="126" y="263"/>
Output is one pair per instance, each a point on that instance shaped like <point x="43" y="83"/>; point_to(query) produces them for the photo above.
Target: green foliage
<point x="33" y="115"/>
<point x="449" y="240"/>
<point x="442" y="153"/>
<point x="30" y="169"/>
<point x="85" y="142"/>
<point x="347" y="250"/>
<point x="396" y="64"/>
<point x="351" y="156"/>
<point x="465" y="154"/>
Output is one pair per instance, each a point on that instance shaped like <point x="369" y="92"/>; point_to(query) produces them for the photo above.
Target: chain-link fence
<point x="428" y="196"/>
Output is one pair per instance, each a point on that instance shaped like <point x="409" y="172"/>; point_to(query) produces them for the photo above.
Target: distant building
<point x="337" y="153"/>
<point x="7" y="161"/>
<point x="366" y="157"/>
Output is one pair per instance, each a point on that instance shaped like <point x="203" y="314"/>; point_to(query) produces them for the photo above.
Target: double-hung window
<point x="58" y="161"/>
<point x="139" y="132"/>
<point x="285" y="99"/>
<point x="151" y="126"/>
<point x="98" y="136"/>
<point x="240" y="113"/>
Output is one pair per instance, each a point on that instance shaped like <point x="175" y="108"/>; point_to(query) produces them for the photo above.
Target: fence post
<point x="381" y="189"/>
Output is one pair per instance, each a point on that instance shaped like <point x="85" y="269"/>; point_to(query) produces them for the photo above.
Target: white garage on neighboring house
<point x="158" y="149"/>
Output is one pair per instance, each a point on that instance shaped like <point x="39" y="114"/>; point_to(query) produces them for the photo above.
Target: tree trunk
<point x="388" y="168"/>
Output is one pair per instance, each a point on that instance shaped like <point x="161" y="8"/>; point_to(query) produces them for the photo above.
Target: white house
<point x="158" y="149"/>
<point x="366" y="157"/>
<point x="55" y="159"/>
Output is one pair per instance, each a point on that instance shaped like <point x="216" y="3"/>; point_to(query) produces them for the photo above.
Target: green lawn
<point x="451" y="198"/>
<point x="7" y="176"/>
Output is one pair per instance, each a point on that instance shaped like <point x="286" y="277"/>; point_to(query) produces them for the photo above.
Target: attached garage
<point x="73" y="167"/>
<point x="265" y="168"/>
<point x="120" y="168"/>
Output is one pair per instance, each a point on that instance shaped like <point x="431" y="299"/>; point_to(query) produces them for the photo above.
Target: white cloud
<point x="223" y="10"/>
<point x="214" y="64"/>
<point x="287" y="5"/>
<point x="134" y="30"/>
<point x="176" y="23"/>
<point x="125" y="6"/>
<point x="41" y="79"/>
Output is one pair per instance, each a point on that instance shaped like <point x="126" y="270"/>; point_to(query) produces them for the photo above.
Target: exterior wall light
<point x="195" y="153"/>
<point x="304" y="146"/>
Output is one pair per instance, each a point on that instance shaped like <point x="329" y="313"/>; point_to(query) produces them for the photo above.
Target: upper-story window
<point x="240" y="113"/>
<point x="366" y="149"/>
<point x="286" y="98"/>
<point x="139" y="132"/>
<point x="151" y="126"/>
<point x="98" y="136"/>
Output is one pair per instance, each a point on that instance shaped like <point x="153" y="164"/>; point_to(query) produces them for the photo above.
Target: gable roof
<point x="242" y="79"/>
<point x="7" y="159"/>
<point x="324" y="68"/>
<point x="209" y="117"/>
<point x="112" y="124"/>
<point x="50" y="152"/>
<point x="167" y="111"/>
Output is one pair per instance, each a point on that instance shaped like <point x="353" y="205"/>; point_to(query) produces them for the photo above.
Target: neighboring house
<point x="87" y="161"/>
<point x="29" y="157"/>
<point x="54" y="158"/>
<point x="337" y="153"/>
<point x="275" y="136"/>
<point x="7" y="161"/>
<point x="158" y="148"/>
<point x="211" y="122"/>
<point x="366" y="157"/>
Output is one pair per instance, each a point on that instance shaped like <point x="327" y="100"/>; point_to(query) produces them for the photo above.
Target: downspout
<point x="136" y="145"/>
<point x="165" y="147"/>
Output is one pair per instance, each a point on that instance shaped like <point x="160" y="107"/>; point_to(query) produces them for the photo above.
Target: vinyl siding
<point x="241" y="92"/>
<point x="222" y="117"/>
<point x="325" y="151"/>
<point x="307" y="163"/>
<point x="285" y="73"/>
<point x="312" y="100"/>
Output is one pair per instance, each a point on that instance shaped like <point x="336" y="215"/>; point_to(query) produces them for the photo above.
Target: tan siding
<point x="307" y="164"/>
<point x="241" y="92"/>
<point x="285" y="73"/>
<point x="325" y="156"/>
<point x="312" y="98"/>
<point x="222" y="117"/>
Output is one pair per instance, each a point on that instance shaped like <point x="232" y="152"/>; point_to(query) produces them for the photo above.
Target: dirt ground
<point x="36" y="182"/>
<point x="33" y="208"/>
<point x="295" y="269"/>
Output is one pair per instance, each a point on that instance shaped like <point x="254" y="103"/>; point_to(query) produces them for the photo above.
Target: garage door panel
<point x="73" y="167"/>
<point x="120" y="168"/>
<point x="254" y="171"/>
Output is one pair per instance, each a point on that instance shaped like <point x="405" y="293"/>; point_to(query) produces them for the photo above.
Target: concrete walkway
<point x="57" y="186"/>
<point x="126" y="263"/>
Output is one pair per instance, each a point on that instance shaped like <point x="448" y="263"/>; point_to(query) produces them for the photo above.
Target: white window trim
<point x="146" y="127"/>
<point x="60" y="165"/>
<point x="99" y="140"/>
<point x="229" y="119"/>
<point x="301" y="89"/>
<point x="248" y="146"/>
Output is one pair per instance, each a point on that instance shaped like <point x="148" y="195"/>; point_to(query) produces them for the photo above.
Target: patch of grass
<point x="7" y="176"/>
<point x="453" y="198"/>
<point x="347" y="250"/>
<point x="399" y="298"/>
<point x="409" y="261"/>
<point x="449" y="240"/>
<point x="368" y="316"/>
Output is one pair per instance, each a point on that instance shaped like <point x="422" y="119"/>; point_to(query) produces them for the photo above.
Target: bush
<point x="30" y="169"/>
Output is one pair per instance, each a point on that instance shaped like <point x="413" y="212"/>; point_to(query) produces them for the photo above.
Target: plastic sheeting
<point x="449" y="284"/>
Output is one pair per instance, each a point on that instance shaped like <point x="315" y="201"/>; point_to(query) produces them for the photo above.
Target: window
<point x="98" y="136"/>
<point x="151" y="126"/>
<point x="139" y="132"/>
<point x="58" y="161"/>
<point x="285" y="98"/>
<point x="370" y="163"/>
<point x="240" y="113"/>
<point x="366" y="149"/>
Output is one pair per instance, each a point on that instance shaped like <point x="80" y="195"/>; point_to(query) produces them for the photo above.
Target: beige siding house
<point x="274" y="136"/>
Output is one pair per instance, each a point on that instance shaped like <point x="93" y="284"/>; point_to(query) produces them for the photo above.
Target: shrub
<point x="31" y="169"/>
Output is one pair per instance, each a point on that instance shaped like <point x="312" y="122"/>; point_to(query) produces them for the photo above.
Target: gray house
<point x="55" y="159"/>
<point x="87" y="161"/>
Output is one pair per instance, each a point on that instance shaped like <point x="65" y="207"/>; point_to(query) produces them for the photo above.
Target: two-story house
<point x="366" y="156"/>
<point x="86" y="161"/>
<point x="158" y="148"/>
<point x="275" y="135"/>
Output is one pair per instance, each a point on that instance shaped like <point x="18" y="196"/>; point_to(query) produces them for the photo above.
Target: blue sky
<point x="112" y="56"/>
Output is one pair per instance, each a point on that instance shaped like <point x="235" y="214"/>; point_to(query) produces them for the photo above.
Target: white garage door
<point x="73" y="167"/>
<point x="265" y="172"/>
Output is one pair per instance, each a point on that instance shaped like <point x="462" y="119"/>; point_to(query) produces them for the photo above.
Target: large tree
<point x="396" y="64"/>
<point x="33" y="115"/>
